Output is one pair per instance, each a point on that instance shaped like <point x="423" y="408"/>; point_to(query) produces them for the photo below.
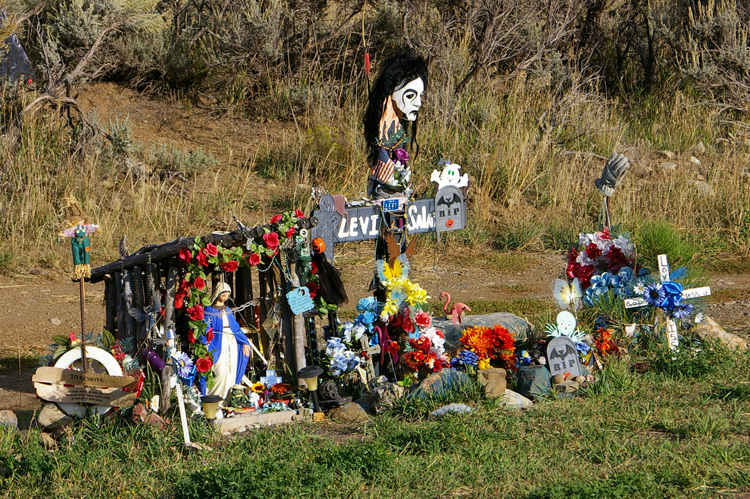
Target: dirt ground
<point x="47" y="306"/>
<point x="38" y="306"/>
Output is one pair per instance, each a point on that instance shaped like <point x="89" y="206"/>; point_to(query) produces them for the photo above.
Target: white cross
<point x="686" y="295"/>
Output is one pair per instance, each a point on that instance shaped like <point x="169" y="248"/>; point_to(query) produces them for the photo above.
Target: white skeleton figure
<point x="451" y="175"/>
<point x="566" y="326"/>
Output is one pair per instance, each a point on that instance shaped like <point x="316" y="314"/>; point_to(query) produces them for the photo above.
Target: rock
<point x="440" y="383"/>
<point x="513" y="400"/>
<point x="384" y="396"/>
<point x="667" y="166"/>
<point x="46" y="441"/>
<point x="453" y="332"/>
<point x="494" y="381"/>
<point x="666" y="154"/>
<point x="533" y="381"/>
<point x="51" y="417"/>
<point x="695" y="161"/>
<point x="8" y="420"/>
<point x="699" y="149"/>
<point x="350" y="412"/>
<point x="700" y="177"/>
<point x="139" y="413"/>
<point x="55" y="321"/>
<point x="703" y="188"/>
<point x="451" y="409"/>
<point x="708" y="329"/>
<point x="153" y="419"/>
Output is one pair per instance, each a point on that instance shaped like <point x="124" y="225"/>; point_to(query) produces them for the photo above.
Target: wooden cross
<point x="672" y="337"/>
<point x="371" y="369"/>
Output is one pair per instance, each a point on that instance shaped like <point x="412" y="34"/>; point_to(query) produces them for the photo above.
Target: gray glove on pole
<point x="612" y="174"/>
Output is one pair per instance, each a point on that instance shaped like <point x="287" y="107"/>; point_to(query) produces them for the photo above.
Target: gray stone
<point x="694" y="161"/>
<point x="513" y="400"/>
<point x="451" y="409"/>
<point x="51" y="417"/>
<point x="708" y="329"/>
<point x="55" y="321"/>
<point x="699" y="149"/>
<point x="8" y="420"/>
<point x="349" y="413"/>
<point x="384" y="396"/>
<point x="46" y="441"/>
<point x="666" y="154"/>
<point x="493" y="380"/>
<point x="533" y="381"/>
<point x="453" y="332"/>
<point x="703" y="188"/>
<point x="440" y="383"/>
<point x="668" y="166"/>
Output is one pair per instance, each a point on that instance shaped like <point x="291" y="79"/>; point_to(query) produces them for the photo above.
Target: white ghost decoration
<point x="451" y="175"/>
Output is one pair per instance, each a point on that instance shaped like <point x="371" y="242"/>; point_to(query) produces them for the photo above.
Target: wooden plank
<point x="73" y="377"/>
<point x="120" y="310"/>
<point x="84" y="395"/>
<point x="110" y="321"/>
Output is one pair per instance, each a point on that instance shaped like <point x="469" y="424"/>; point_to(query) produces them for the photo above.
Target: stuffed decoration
<point x="331" y="287"/>
<point x="78" y="232"/>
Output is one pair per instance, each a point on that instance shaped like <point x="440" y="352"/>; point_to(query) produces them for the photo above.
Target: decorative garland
<point x="200" y="258"/>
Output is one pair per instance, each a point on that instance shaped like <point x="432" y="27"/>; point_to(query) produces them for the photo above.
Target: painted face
<point x="408" y="98"/>
<point x="566" y="322"/>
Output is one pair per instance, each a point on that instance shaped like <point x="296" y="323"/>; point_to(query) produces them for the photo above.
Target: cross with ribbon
<point x="673" y="295"/>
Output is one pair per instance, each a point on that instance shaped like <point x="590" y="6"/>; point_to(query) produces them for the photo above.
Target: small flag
<point x="383" y="169"/>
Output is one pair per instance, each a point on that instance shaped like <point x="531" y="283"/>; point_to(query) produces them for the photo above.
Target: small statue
<point x="394" y="103"/>
<point x="78" y="232"/>
<point x="230" y="361"/>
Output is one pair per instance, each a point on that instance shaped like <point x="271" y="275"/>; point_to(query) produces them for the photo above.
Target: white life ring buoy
<point x="106" y="362"/>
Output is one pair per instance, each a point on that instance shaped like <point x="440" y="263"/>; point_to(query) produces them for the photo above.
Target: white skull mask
<point x="408" y="98"/>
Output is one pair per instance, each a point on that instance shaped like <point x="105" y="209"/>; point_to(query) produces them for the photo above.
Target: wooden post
<point x="138" y="303"/>
<point x="298" y="328"/>
<point x="130" y="332"/>
<point x="110" y="305"/>
<point x="169" y="334"/>
<point x="120" y="310"/>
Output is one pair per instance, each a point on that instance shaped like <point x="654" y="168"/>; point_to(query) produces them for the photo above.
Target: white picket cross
<point x="672" y="337"/>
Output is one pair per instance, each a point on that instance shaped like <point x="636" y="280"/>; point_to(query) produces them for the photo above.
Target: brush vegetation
<point x="528" y="98"/>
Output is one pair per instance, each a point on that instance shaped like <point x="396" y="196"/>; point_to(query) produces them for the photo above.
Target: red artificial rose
<point x="179" y="297"/>
<point x="199" y="283"/>
<point x="253" y="259"/>
<point x="616" y="260"/>
<point x="212" y="250"/>
<point x="191" y="336"/>
<point x="272" y="240"/>
<point x="299" y="214"/>
<point x="604" y="234"/>
<point x="314" y="288"/>
<point x="572" y="257"/>
<point x="209" y="335"/>
<point x="422" y="344"/>
<point x="203" y="364"/>
<point x="229" y="266"/>
<point x="423" y="320"/>
<point x="276" y="218"/>
<point x="195" y="313"/>
<point x="407" y="325"/>
<point x="313" y="267"/>
<point x="185" y="255"/>
<point x="593" y="251"/>
<point x="201" y="258"/>
<point x="290" y="232"/>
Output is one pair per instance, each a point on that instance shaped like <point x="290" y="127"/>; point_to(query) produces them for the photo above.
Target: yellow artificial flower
<point x="483" y="364"/>
<point x="389" y="309"/>
<point x="258" y="387"/>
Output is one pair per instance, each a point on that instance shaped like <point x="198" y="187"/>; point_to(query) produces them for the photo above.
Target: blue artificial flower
<point x="682" y="311"/>
<point x="626" y="274"/>
<point x="334" y="347"/>
<point x="654" y="294"/>
<point x="599" y="281"/>
<point x="369" y="304"/>
<point x="672" y="295"/>
<point x="583" y="348"/>
<point x="183" y="364"/>
<point x="464" y="358"/>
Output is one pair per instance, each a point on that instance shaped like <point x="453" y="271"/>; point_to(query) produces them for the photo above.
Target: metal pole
<point x="83" y="326"/>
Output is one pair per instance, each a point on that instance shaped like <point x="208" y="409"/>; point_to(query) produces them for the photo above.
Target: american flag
<point x="383" y="169"/>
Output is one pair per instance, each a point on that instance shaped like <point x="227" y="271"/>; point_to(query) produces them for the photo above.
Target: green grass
<point x="11" y="364"/>
<point x="632" y="435"/>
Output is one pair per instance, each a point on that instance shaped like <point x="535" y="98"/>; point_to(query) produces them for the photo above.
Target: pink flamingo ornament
<point x="456" y="311"/>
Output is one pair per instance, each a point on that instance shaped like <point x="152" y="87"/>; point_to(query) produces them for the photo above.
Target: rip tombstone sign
<point x="562" y="357"/>
<point x="672" y="335"/>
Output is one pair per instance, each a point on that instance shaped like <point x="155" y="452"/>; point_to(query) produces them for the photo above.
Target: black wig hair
<point x="396" y="71"/>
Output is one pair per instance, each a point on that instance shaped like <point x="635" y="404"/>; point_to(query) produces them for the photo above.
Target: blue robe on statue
<point x="213" y="318"/>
